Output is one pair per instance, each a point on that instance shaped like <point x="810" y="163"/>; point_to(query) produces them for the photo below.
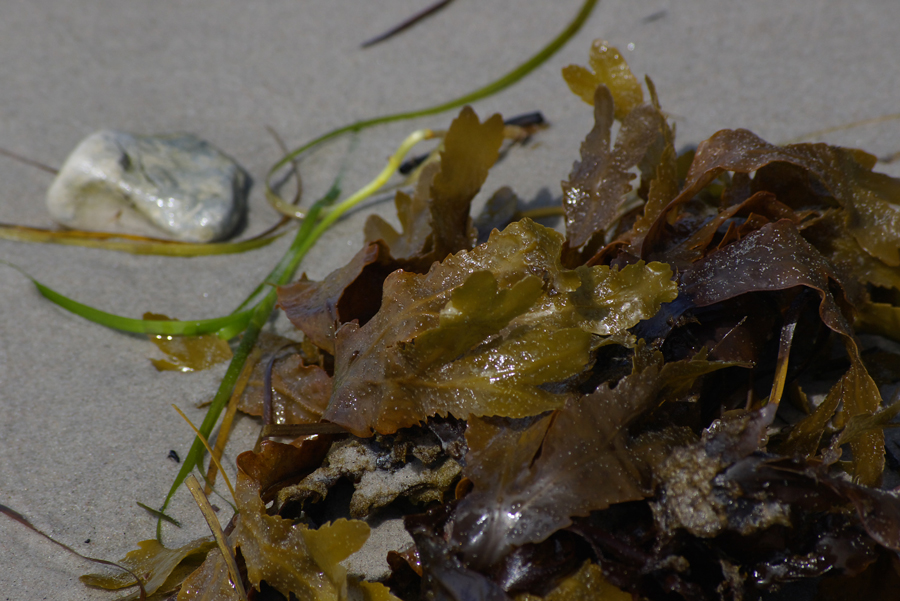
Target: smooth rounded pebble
<point x="172" y="186"/>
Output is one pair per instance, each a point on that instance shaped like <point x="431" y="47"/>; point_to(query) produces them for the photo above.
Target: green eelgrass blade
<point x="192" y="327"/>
<point x="260" y="315"/>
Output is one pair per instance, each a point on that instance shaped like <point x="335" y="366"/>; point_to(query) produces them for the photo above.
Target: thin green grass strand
<point x="193" y="327"/>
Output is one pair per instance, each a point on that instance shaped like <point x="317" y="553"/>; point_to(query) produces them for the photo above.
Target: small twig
<point x="28" y="161"/>
<point x="407" y="23"/>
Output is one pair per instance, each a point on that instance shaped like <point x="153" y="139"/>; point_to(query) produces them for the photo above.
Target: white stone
<point x="173" y="186"/>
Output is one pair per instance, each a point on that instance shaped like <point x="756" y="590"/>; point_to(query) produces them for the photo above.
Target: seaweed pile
<point x="668" y="401"/>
